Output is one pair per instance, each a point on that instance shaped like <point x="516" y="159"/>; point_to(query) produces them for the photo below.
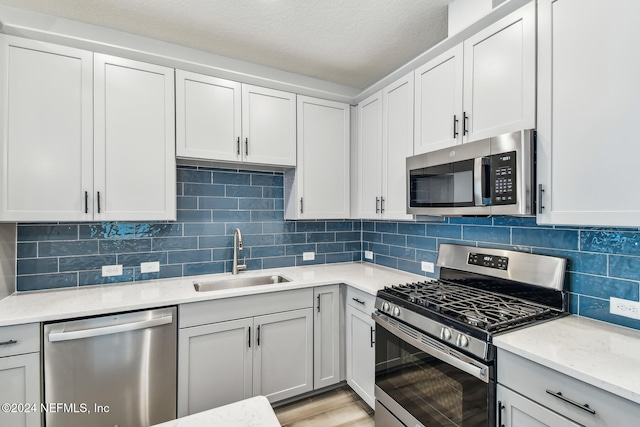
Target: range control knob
<point x="386" y="306"/>
<point x="445" y="334"/>
<point x="396" y="311"/>
<point x="462" y="341"/>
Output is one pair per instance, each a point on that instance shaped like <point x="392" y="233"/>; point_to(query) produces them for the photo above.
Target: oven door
<point x="423" y="382"/>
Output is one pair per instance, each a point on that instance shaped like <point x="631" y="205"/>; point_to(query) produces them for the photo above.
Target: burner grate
<point x="477" y="307"/>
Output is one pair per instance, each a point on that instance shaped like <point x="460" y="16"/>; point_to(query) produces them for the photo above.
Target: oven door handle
<point x="463" y="365"/>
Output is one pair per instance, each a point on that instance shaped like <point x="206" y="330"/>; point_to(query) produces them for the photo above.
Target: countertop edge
<point x="364" y="276"/>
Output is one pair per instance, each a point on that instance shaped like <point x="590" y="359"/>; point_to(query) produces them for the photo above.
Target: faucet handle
<point x="244" y="264"/>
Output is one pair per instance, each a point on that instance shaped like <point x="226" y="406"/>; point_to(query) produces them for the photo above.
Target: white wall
<point x="463" y="13"/>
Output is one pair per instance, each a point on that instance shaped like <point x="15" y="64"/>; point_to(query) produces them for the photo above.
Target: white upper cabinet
<point x="85" y="137"/>
<point x="134" y="140"/>
<point x="438" y="104"/>
<point x="500" y="76"/>
<point x="226" y="121"/>
<point x="370" y="156"/>
<point x="397" y="145"/>
<point x="385" y="140"/>
<point x="268" y="126"/>
<point x="47" y="133"/>
<point x="480" y="88"/>
<point x="208" y="117"/>
<point x="588" y="92"/>
<point x="319" y="186"/>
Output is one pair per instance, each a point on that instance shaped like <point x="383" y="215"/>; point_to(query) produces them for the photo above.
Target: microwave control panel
<point x="503" y="179"/>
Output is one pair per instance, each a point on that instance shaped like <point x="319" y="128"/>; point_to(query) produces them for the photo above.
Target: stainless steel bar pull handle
<point x="9" y="342"/>
<point x="246" y="146"/>
<point x="238" y="146"/>
<point x="540" y="194"/>
<point x="301" y="206"/>
<point x="107" y="330"/>
<point x="381" y="204"/>
<point x="582" y="406"/>
<point x="377" y="205"/>
<point x="455" y="126"/>
<point x="465" y="123"/>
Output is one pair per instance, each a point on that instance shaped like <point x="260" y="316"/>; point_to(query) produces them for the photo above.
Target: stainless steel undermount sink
<point x="239" y="282"/>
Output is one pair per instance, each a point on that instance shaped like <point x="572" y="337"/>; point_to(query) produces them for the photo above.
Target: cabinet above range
<point x="482" y="87"/>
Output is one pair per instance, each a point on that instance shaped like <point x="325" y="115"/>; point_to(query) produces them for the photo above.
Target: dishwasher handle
<point x="107" y="330"/>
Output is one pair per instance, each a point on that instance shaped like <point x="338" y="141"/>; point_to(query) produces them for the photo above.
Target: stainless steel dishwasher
<point x="116" y="370"/>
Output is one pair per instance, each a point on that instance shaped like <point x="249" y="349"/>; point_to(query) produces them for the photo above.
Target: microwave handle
<point x="480" y="175"/>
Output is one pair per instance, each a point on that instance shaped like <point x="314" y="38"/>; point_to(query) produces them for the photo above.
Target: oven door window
<point x="449" y="185"/>
<point x="432" y="391"/>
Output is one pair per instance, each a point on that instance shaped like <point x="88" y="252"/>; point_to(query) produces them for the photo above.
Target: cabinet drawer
<point x="361" y="300"/>
<point x="220" y="310"/>
<point x="533" y="380"/>
<point x="19" y="339"/>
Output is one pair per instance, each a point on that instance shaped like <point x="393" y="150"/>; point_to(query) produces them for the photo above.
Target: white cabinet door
<point x="370" y="156"/>
<point x="214" y="365"/>
<point x="320" y="187"/>
<point x="481" y="88"/>
<point x="46" y="146"/>
<point x="588" y="93"/>
<point x="208" y="117"/>
<point x="438" y="105"/>
<point x="20" y="379"/>
<point x="283" y="357"/>
<point x="517" y="411"/>
<point x="326" y="335"/>
<point x="361" y="354"/>
<point x="134" y="140"/>
<point x="499" y="76"/>
<point x="397" y="145"/>
<point x="268" y="126"/>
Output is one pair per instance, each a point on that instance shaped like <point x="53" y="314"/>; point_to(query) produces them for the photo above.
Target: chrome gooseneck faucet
<point x="237" y="246"/>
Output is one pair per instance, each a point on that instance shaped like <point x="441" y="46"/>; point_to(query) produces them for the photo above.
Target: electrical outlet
<point x="427" y="266"/>
<point x="149" y="267"/>
<point x="308" y="256"/>
<point x="111" y="270"/>
<point x="624" y="307"/>
<point x="368" y="254"/>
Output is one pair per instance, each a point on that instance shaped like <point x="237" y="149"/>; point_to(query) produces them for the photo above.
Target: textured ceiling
<point x="350" y="42"/>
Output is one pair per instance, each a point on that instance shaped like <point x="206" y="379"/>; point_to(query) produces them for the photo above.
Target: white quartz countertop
<point x="41" y="306"/>
<point x="253" y="412"/>
<point x="598" y="353"/>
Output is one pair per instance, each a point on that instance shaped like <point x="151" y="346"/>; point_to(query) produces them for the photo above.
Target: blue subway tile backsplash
<point x="212" y="202"/>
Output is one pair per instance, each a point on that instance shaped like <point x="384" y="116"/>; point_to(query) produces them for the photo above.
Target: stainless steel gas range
<point x="435" y="363"/>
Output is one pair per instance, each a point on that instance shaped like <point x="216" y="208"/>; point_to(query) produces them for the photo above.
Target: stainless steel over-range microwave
<point x="493" y="176"/>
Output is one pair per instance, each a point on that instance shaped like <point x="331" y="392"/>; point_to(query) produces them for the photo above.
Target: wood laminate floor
<point x="341" y="407"/>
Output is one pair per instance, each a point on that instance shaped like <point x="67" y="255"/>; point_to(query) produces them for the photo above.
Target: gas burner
<point x="474" y="319"/>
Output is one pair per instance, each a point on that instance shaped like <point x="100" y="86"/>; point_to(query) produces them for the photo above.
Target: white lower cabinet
<point x="20" y="375"/>
<point x="360" y="343"/>
<point x="283" y="354"/>
<point x="327" y="352"/>
<point x="555" y="399"/>
<point x="515" y="410"/>
<point x="214" y="354"/>
<point x="234" y="348"/>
